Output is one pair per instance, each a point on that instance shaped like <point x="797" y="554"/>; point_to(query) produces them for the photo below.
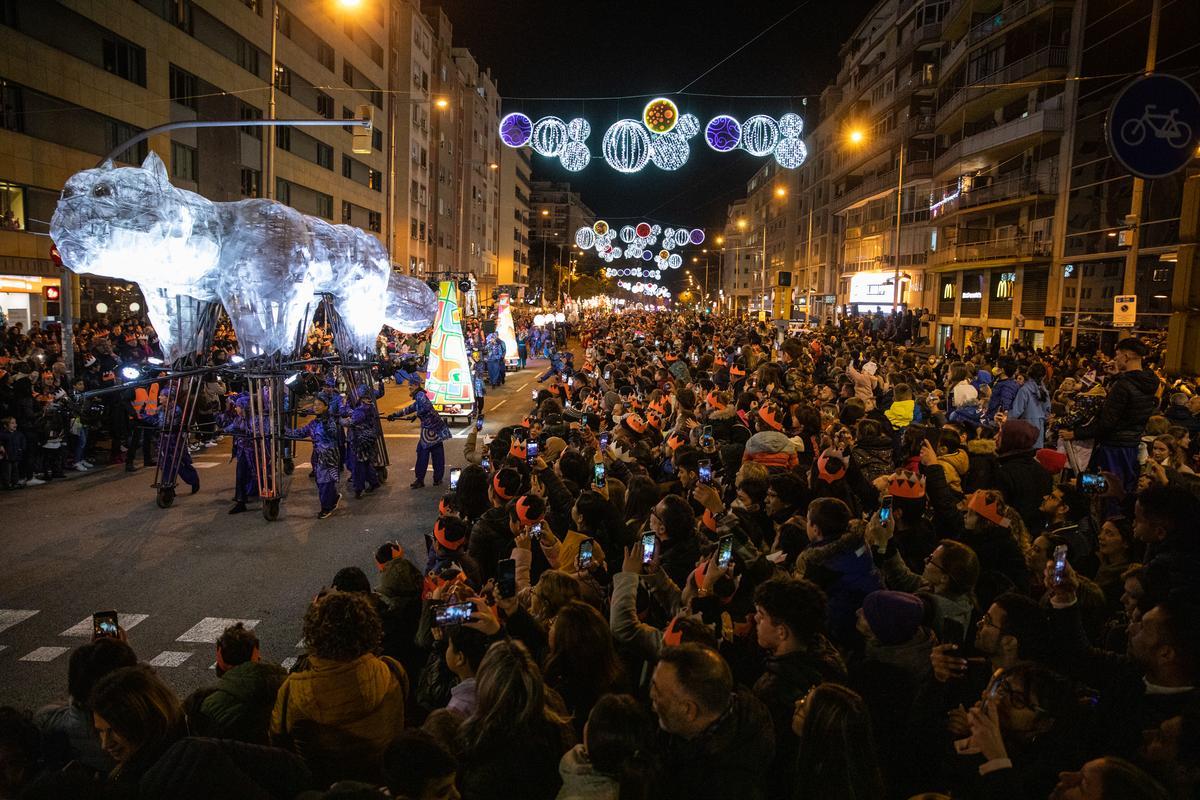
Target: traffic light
<point x="362" y="133"/>
<point x="51" y="301"/>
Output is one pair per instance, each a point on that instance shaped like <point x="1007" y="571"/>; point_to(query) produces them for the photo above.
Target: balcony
<point x="1005" y="18"/>
<point x="1014" y="189"/>
<point x="930" y="33"/>
<point x="1001" y="141"/>
<point x="883" y="183"/>
<point x="1018" y="247"/>
<point x="1023" y="69"/>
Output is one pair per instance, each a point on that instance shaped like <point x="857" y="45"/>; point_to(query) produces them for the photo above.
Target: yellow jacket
<point x="900" y="413"/>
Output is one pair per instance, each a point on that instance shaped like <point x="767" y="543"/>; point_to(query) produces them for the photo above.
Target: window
<point x="125" y="60"/>
<point x="283" y="79"/>
<point x="347" y="167"/>
<point x="283" y="191"/>
<point x="10" y="107"/>
<point x="247" y="111"/>
<point x="375" y="221"/>
<point x="251" y="182"/>
<point x="325" y="55"/>
<point x="377" y="139"/>
<point x="413" y="221"/>
<point x="184" y="162"/>
<point x="12" y="207"/>
<point x="253" y="5"/>
<point x="246" y="56"/>
<point x="116" y="133"/>
<point x="324" y="105"/>
<point x="324" y="155"/>
<point x="347" y="212"/>
<point x="415" y="191"/>
<point x="184" y="86"/>
<point x="375" y="179"/>
<point x="283" y="138"/>
<point x="324" y="205"/>
<point x="347" y="114"/>
<point x="347" y="73"/>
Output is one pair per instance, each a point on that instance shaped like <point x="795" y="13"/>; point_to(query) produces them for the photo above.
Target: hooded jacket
<point x="900" y="413"/>
<point x="956" y="466"/>
<point x="771" y="449"/>
<point x="491" y="540"/>
<point x="874" y="456"/>
<point x="240" y="705"/>
<point x="1131" y="400"/>
<point x="845" y="571"/>
<point x="340" y="716"/>
<point x="1019" y="475"/>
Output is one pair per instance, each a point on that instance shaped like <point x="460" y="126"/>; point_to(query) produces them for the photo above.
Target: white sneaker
<point x="34" y="482"/>
<point x="88" y="464"/>
<point x="81" y="467"/>
<point x="210" y="443"/>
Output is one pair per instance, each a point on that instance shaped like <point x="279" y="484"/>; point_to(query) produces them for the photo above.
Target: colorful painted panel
<point x="449" y="381"/>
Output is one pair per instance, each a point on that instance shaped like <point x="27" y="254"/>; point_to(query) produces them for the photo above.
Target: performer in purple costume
<point x="434" y="431"/>
<point x="173" y="435"/>
<point x="361" y="418"/>
<point x="323" y="431"/>
<point x="246" y="477"/>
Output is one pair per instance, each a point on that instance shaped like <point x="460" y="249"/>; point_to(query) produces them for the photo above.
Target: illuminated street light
<point x="442" y="102"/>
<point x="856" y="136"/>
<point x="780" y="191"/>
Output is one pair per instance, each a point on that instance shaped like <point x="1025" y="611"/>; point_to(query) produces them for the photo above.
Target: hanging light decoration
<point x="626" y="146"/>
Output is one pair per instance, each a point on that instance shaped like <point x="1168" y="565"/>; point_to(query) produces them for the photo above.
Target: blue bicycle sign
<point x="1153" y="125"/>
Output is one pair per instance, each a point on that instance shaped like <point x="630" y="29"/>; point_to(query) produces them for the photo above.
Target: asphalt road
<point x="179" y="576"/>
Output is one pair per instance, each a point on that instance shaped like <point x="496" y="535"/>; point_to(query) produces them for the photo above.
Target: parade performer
<point x="361" y="419"/>
<point x="173" y="435"/>
<point x="478" y="374"/>
<point x="434" y="431"/>
<point x="323" y="432"/>
<point x="246" y="475"/>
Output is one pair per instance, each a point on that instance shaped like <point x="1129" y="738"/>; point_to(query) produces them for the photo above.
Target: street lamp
<point x="855" y="137"/>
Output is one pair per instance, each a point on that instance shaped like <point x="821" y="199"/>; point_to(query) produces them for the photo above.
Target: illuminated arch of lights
<point x="661" y="137"/>
<point x="644" y="240"/>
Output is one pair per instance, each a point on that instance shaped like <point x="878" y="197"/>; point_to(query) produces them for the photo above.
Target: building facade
<point x="555" y="213"/>
<point x="956" y="166"/>
<point x="514" y="217"/>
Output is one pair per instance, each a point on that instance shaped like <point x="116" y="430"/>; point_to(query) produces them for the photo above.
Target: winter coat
<point x="1003" y="394"/>
<point x="239" y="706"/>
<point x="201" y="769"/>
<point x="772" y="449"/>
<point x="956" y="466"/>
<point x="981" y="472"/>
<point x="581" y="781"/>
<point x="340" y="716"/>
<point x="522" y="761"/>
<point x="864" y="386"/>
<point x="678" y="555"/>
<point x="1131" y="400"/>
<point x="874" y="457"/>
<point x="727" y="426"/>
<point x="900" y="413"/>
<point x="1023" y="482"/>
<point x="729" y="759"/>
<point x="845" y="570"/>
<point x="491" y="540"/>
<point x="1032" y="404"/>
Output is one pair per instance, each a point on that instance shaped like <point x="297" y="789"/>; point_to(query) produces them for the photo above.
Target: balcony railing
<point x="1046" y="120"/>
<point x="885" y="181"/>
<point x="1017" y="186"/>
<point x="1047" y="57"/>
<point x="1003" y="18"/>
<point x="1015" y="247"/>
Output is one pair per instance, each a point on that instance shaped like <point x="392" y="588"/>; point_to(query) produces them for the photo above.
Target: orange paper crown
<point x="988" y="508"/>
<point x="770" y="414"/>
<point x="907" y="484"/>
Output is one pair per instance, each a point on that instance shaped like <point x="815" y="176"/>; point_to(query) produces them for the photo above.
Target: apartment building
<point x="480" y="154"/>
<point x="555" y="213"/>
<point x="414" y="111"/>
<point x="737" y="260"/>
<point x="514" y="217"/>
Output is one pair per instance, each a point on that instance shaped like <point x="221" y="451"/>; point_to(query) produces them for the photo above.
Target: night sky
<point x="545" y="49"/>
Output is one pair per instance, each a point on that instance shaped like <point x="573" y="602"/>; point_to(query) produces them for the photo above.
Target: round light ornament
<point x="549" y="136"/>
<point x="585" y="238"/>
<point x="760" y="134"/>
<point x="723" y="133"/>
<point x="626" y="146"/>
<point x="516" y="129"/>
<point x="600" y="227"/>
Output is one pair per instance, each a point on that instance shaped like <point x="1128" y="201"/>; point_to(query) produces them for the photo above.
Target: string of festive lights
<point x="640" y="241"/>
<point x="660" y="138"/>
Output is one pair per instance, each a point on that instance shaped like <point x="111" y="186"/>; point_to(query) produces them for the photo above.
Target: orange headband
<point x="988" y="509"/>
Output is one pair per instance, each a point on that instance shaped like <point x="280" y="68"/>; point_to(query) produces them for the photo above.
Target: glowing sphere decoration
<point x="642" y="229"/>
<point x="760" y="134"/>
<point x="669" y="151"/>
<point x="585" y="238"/>
<point x="723" y="133"/>
<point x="660" y="115"/>
<point x="516" y="129"/>
<point x="689" y="125"/>
<point x="626" y="146"/>
<point x="664" y="255"/>
<point x="549" y="136"/>
<point x="578" y="129"/>
<point x="790" y="153"/>
<point x="627" y="234"/>
<point x="697" y="236"/>
<point x="675" y="261"/>
<point x="600" y="227"/>
<point x="791" y="125"/>
<point x="647" y="255"/>
<point x="575" y="156"/>
<point x="682" y="237"/>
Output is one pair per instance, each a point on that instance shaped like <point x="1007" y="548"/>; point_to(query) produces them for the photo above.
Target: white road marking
<point x="205" y="464"/>
<point x="84" y="626"/>
<point x="288" y="663"/>
<point x="209" y="629"/>
<point x="14" y="616"/>
<point x="304" y="465"/>
<point x="502" y="402"/>
<point x="300" y="645"/>
<point x="169" y="658"/>
<point x="213" y="665"/>
<point x="44" y="654"/>
<point x="402" y="436"/>
<point x="523" y="386"/>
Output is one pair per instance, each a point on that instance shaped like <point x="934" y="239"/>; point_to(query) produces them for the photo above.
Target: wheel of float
<point x="271" y="509"/>
<point x="289" y="466"/>
<point x="165" y="497"/>
<point x="381" y="472"/>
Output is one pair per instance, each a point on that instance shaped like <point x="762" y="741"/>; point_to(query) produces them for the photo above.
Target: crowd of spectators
<point x="737" y="564"/>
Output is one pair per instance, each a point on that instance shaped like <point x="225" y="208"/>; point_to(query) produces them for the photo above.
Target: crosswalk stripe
<point x="209" y="629"/>
<point x="169" y="658"/>
<point x="13" y="616"/>
<point x="288" y="663"/>
<point x="402" y="436"/>
<point x="304" y="465"/>
<point x="84" y="626"/>
<point x="206" y="464"/>
<point x="44" y="654"/>
<point x="300" y="645"/>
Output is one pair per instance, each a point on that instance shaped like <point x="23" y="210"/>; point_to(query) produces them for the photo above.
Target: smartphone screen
<point x="583" y="421"/>
<point x="586" y="554"/>
<point x="486" y="463"/>
<point x="724" y="551"/>
<point x="535" y="530"/>
<point x="1060" y="564"/>
<point x="705" y="470"/>
<point x="531" y="450"/>
<point x="706" y="431"/>
<point x="649" y="546"/>
<point x="506" y="577"/>
<point x="454" y="473"/>
<point x="598" y="476"/>
<point x="608" y="375"/>
<point x="571" y="380"/>
<point x="604" y="442"/>
<point x="104" y="625"/>
<point x="885" y="510"/>
<point x="479" y="424"/>
<point x="533" y="394"/>
<point x="453" y="614"/>
<point x="1090" y="483"/>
